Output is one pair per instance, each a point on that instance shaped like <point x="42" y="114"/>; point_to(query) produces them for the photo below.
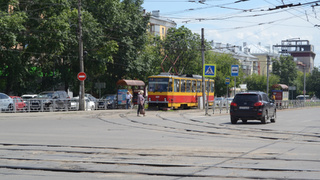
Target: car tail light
<point x="258" y="104"/>
<point x="233" y="104"/>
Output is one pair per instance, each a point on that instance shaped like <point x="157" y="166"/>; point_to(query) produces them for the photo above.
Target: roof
<point x="125" y="82"/>
<point x="282" y="86"/>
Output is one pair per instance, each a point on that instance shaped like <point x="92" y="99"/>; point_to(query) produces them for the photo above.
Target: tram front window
<point x="158" y="84"/>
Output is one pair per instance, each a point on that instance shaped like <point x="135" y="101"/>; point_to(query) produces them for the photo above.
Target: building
<point x="249" y="63"/>
<point x="159" y="26"/>
<point x="263" y="53"/>
<point x="301" y="51"/>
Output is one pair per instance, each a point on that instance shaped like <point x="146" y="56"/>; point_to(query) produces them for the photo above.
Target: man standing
<point x="128" y="98"/>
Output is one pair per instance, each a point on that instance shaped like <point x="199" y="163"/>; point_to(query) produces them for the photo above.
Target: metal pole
<point x="203" y="80"/>
<point x="235" y="84"/>
<point x="304" y="83"/>
<point x="81" y="88"/>
<point x="268" y="58"/>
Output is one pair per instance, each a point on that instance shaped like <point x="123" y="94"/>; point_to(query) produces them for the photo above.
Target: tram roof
<point x="181" y="76"/>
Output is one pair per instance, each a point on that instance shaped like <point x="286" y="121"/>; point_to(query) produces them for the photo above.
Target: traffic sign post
<point x="235" y="73"/>
<point x="82" y="76"/>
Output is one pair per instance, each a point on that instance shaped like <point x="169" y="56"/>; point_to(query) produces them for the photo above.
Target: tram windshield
<point x="158" y="84"/>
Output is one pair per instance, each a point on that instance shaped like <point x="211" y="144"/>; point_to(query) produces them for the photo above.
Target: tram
<point x="175" y="91"/>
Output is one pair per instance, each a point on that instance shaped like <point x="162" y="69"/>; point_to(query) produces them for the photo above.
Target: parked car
<point x="27" y="98"/>
<point x="51" y="100"/>
<point x="6" y="102"/>
<point x="20" y="105"/>
<point x="107" y="101"/>
<point x="252" y="106"/>
<point x="90" y="102"/>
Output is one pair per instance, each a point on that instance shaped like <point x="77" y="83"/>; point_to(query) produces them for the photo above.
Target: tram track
<point x="170" y="162"/>
<point x="50" y="161"/>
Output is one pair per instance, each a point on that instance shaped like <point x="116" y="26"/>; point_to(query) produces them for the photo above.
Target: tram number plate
<point x="244" y="107"/>
<point x="157" y="97"/>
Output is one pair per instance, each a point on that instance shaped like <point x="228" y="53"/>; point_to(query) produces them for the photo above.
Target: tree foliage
<point x="286" y="69"/>
<point x="39" y="41"/>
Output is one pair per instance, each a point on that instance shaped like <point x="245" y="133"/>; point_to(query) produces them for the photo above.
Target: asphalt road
<point x="184" y="144"/>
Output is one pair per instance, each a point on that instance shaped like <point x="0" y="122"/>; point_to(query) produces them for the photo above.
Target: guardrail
<point x="41" y="105"/>
<point x="224" y="105"/>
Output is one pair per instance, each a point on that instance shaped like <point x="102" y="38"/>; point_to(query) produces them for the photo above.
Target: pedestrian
<point x="140" y="102"/>
<point x="128" y="98"/>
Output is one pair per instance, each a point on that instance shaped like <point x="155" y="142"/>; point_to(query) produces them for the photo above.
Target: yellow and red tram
<point x="173" y="91"/>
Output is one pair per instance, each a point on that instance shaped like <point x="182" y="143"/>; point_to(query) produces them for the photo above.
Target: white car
<point x="90" y="102"/>
<point x="6" y="102"/>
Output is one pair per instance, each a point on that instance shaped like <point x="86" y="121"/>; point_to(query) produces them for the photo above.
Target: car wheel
<point x="264" y="118"/>
<point x="10" y="107"/>
<point x="234" y="120"/>
<point x="274" y="117"/>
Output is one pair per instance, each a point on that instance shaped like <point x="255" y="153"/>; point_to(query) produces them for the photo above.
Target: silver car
<point x="6" y="102"/>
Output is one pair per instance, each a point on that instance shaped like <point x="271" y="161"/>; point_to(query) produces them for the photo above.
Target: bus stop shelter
<point x="133" y="86"/>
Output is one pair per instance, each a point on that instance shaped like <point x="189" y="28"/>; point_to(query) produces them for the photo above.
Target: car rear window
<point x="246" y="99"/>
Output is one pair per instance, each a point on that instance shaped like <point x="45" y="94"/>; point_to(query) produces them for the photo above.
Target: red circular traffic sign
<point x="82" y="76"/>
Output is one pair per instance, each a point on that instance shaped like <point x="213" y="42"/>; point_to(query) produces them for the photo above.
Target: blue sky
<point x="250" y="21"/>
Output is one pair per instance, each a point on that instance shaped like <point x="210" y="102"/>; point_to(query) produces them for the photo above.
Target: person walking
<point x="128" y="98"/>
<point x="140" y="102"/>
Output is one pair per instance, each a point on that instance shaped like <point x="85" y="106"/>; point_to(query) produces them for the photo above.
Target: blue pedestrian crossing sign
<point x="209" y="70"/>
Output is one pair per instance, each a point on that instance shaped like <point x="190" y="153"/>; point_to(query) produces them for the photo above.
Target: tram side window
<point x="183" y="85"/>
<point x="188" y="86"/>
<point x="176" y="85"/>
<point x="194" y="86"/>
<point x="212" y="86"/>
<point x="170" y="85"/>
<point x="199" y="86"/>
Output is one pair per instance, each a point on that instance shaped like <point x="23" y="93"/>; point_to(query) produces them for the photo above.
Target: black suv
<point x="252" y="106"/>
<point x="51" y="101"/>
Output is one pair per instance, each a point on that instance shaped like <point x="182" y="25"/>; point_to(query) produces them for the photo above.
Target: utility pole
<point x="203" y="80"/>
<point x="268" y="60"/>
<point x="81" y="88"/>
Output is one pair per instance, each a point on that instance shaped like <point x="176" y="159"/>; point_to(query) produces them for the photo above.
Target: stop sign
<point x="82" y="76"/>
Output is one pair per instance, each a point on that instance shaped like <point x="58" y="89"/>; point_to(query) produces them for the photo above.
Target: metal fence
<point x="223" y="106"/>
<point x="53" y="105"/>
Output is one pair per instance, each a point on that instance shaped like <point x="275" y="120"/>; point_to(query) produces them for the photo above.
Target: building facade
<point x="301" y="51"/>
<point x="159" y="26"/>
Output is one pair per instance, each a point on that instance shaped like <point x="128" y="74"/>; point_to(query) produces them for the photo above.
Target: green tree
<point x="182" y="46"/>
<point x="313" y="83"/>
<point x="12" y="65"/>
<point x="259" y="82"/>
<point x="286" y="69"/>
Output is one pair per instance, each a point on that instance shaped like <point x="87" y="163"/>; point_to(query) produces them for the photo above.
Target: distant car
<point x="252" y="106"/>
<point x="20" y="105"/>
<point x="90" y="102"/>
<point x="27" y="98"/>
<point x="107" y="101"/>
<point x="51" y="101"/>
<point x="6" y="102"/>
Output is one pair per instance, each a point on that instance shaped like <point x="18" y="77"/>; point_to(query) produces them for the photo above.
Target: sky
<point x="252" y="21"/>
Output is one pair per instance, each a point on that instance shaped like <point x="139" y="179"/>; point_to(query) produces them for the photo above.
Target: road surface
<point x="184" y="144"/>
